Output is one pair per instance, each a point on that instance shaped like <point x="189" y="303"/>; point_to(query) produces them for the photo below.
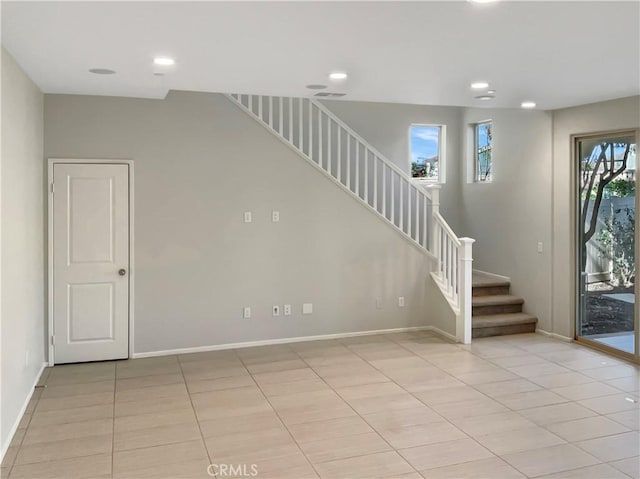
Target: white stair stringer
<point x="331" y="146"/>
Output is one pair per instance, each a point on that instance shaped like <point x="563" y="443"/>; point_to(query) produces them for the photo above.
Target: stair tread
<point x="480" y="280"/>
<point x="493" y="320"/>
<point x="496" y="300"/>
<point x="490" y="284"/>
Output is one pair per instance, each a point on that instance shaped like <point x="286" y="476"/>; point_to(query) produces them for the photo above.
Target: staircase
<point x="328" y="144"/>
<point x="495" y="312"/>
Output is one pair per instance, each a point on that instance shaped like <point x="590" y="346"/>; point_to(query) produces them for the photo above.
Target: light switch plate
<point x="247" y="217"/>
<point x="401" y="302"/>
<point x="307" y="308"/>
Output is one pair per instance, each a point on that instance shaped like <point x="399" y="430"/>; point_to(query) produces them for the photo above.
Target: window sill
<point x="426" y="183"/>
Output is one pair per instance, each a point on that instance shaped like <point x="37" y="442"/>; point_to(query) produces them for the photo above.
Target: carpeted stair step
<point x="485" y="285"/>
<point x="496" y="304"/>
<point x="501" y="324"/>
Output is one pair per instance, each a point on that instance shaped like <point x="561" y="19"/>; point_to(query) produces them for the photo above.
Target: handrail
<point x="317" y="134"/>
<point x="371" y="148"/>
<point x="328" y="144"/>
<point x="446" y="228"/>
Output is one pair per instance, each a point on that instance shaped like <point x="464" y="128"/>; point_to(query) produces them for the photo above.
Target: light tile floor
<point x="404" y="405"/>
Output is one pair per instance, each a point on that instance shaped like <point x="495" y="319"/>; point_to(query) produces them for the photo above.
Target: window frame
<point x="441" y="154"/>
<point x="476" y="176"/>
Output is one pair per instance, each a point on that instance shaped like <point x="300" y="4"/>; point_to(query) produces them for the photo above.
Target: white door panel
<point x="90" y="248"/>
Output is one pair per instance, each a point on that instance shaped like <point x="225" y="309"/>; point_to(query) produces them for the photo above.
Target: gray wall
<point x="440" y="313"/>
<point x="200" y="162"/>
<point x="597" y="117"/>
<point x="386" y="127"/>
<point x="507" y="217"/>
<point x="510" y="215"/>
<point x="22" y="242"/>
<point x="231" y="165"/>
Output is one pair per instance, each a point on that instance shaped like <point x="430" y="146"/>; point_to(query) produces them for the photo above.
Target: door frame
<point x="575" y="260"/>
<point x="51" y="163"/>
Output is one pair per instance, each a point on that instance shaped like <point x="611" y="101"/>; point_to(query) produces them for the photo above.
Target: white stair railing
<point x="453" y="271"/>
<point x="320" y="137"/>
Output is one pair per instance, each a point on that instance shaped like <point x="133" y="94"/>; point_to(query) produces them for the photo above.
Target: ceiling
<point x="555" y="53"/>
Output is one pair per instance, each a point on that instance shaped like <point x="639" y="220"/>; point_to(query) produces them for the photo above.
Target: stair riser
<point x="497" y="309"/>
<point x="504" y="330"/>
<point x="489" y="290"/>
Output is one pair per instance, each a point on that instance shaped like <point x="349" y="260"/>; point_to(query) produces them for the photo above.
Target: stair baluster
<point x="426" y="230"/>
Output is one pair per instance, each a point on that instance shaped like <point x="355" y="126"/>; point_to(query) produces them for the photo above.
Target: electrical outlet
<point x="307" y="308"/>
<point x="247" y="217"/>
<point x="276" y="311"/>
<point x="401" y="302"/>
<point x="378" y="303"/>
<point x="275" y="216"/>
<point x="246" y="312"/>
<point x="287" y="310"/>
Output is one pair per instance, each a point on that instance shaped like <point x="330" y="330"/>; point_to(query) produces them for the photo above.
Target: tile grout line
<point x="26" y="428"/>
<point x="395" y="341"/>
<point x="517" y="411"/>
<point x="418" y="399"/>
<point x="113" y="422"/>
<point x="195" y="414"/>
<point x="480" y="392"/>
<point x="114" y="416"/>
<point x="473" y="386"/>
<point x="543" y="388"/>
<point x="277" y="413"/>
<point x="38" y="399"/>
<point x="569" y="400"/>
<point x="357" y="414"/>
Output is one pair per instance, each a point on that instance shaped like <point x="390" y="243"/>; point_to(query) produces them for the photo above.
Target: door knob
<point x="122" y="272"/>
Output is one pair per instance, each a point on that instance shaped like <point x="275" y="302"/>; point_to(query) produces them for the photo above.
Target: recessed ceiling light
<point x="338" y="75"/>
<point x="528" y="104"/>
<point x="164" y="61"/>
<point x="483" y="1"/>
<point x="485" y="97"/>
<point x="102" y="71"/>
<point x="479" y="85"/>
<point x="328" y="94"/>
<point x="316" y="87"/>
<point x="491" y="92"/>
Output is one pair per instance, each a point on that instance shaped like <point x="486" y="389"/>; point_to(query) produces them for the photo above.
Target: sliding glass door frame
<point x="576" y="269"/>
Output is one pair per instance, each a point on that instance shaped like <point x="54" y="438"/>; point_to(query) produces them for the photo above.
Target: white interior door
<point x="91" y="262"/>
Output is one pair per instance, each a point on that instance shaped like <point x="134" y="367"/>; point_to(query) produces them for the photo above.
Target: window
<point x="482" y="145"/>
<point x="426" y="152"/>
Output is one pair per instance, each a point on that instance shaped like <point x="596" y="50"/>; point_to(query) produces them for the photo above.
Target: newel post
<point x="464" y="324"/>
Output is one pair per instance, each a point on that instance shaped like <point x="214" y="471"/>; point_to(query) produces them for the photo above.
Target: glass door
<point x="607" y="249"/>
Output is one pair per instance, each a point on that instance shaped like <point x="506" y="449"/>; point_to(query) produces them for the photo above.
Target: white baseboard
<point x="493" y="275"/>
<point x="442" y="333"/>
<point x="554" y="336"/>
<point x="269" y="342"/>
<point x="12" y="433"/>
